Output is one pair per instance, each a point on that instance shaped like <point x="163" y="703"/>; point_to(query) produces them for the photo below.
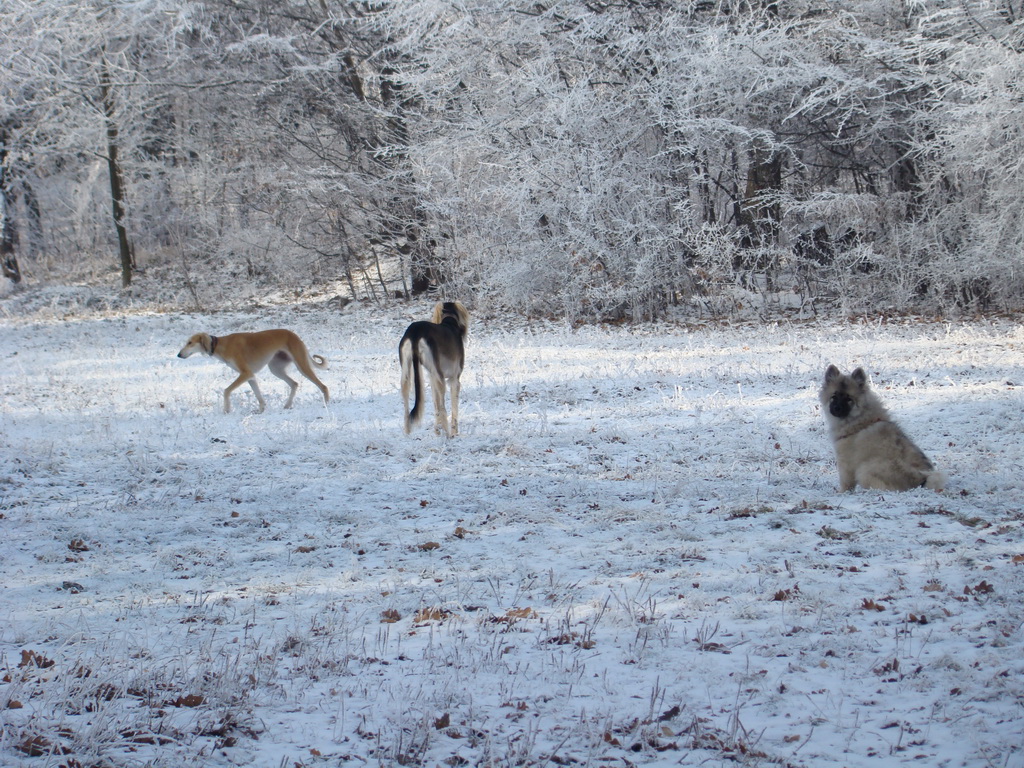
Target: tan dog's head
<point x="199" y="342"/>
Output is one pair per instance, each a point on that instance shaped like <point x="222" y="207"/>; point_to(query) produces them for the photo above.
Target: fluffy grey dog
<point x="871" y="449"/>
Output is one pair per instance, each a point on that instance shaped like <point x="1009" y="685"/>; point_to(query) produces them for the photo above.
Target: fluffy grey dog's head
<point x="842" y="393"/>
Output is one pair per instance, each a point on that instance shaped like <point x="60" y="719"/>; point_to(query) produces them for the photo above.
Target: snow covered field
<point x="635" y="553"/>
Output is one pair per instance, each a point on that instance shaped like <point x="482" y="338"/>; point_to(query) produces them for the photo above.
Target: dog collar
<point x="213" y="345"/>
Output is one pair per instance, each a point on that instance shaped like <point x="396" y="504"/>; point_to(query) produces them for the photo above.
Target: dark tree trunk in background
<point x="409" y="219"/>
<point x="33" y="243"/>
<point x="116" y="178"/>
<point x="759" y="213"/>
<point x="8" y="236"/>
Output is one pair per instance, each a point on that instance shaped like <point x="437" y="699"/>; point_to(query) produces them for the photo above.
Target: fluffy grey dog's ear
<point x="831" y="374"/>
<point x="859" y="376"/>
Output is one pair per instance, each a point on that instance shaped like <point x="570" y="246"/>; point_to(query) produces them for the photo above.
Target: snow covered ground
<point x="635" y="553"/>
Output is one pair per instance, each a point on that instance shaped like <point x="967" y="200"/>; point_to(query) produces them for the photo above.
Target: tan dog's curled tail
<point x="319" y="362"/>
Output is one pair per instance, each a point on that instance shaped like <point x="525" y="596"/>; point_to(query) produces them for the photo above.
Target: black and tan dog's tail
<point x="409" y="357"/>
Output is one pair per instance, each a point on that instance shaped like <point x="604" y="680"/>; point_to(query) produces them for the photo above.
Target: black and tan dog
<point x="438" y="346"/>
<point x="871" y="449"/>
<point x="247" y="353"/>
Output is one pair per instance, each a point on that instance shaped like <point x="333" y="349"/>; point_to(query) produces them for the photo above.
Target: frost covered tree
<point x="294" y="185"/>
<point x="576" y="157"/>
<point x="77" y="98"/>
<point x="240" y="141"/>
<point x="536" y="170"/>
<point x="603" y="159"/>
<point x="609" y="158"/>
<point x="971" y="234"/>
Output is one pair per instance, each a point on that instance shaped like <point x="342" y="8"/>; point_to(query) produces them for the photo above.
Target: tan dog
<point x="247" y="353"/>
<point x="438" y="346"/>
<point x="871" y="450"/>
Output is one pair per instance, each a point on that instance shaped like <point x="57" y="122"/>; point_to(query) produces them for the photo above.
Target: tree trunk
<point x="116" y="178"/>
<point x="759" y="213"/>
<point x="8" y="236"/>
<point x="409" y="223"/>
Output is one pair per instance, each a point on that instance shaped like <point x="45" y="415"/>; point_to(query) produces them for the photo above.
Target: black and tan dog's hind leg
<point x="443" y="372"/>
<point x="454" y="387"/>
